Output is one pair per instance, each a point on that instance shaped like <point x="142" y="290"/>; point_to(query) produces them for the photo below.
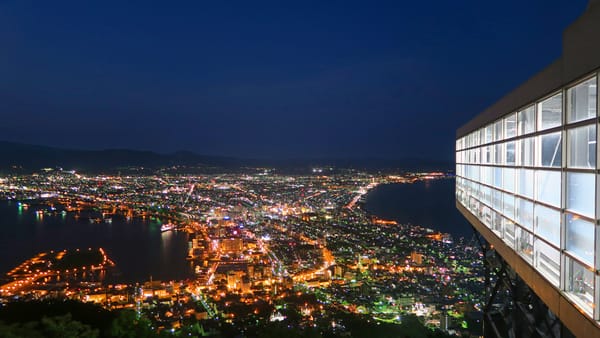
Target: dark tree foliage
<point x="53" y="327"/>
<point x="68" y="318"/>
<point x="33" y="311"/>
<point x="128" y="325"/>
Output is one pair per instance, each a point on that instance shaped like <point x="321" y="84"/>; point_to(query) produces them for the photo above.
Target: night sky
<point x="254" y="79"/>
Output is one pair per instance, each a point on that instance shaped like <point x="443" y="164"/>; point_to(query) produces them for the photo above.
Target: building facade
<point x="528" y="178"/>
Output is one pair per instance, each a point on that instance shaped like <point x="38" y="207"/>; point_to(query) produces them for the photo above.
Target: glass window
<point x="486" y="216"/>
<point x="527" y="120"/>
<point x="478" y="191"/>
<point x="498" y="178"/>
<point x="509" y="205"/>
<point x="525" y="244"/>
<point x="550" y="153"/>
<point x="550" y="112"/>
<point x="489" y="133"/>
<point x="580" y="285"/>
<point x="582" y="147"/>
<point x="527" y="151"/>
<point x="497" y="200"/>
<point x="473" y="172"/>
<point x="510" y="126"/>
<point x="508" y="179"/>
<point x="547" y="184"/>
<point x="510" y="153"/>
<point x="547" y="224"/>
<point x="580" y="238"/>
<point x="525" y="182"/>
<point x="509" y="233"/>
<point x="547" y="260"/>
<point x="497" y="224"/>
<point x="473" y="205"/>
<point x="498" y="130"/>
<point x="460" y="194"/>
<point x="581" y="193"/>
<point x="525" y="213"/>
<point x="475" y="154"/>
<point x="581" y="101"/>
<point x="486" y="195"/>
<point x="498" y="152"/>
<point x="486" y="155"/>
<point x="481" y="136"/>
<point x="486" y="175"/>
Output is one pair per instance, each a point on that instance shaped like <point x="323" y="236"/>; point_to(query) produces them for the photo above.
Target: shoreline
<point x="401" y="218"/>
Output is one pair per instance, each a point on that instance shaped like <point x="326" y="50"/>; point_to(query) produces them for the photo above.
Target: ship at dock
<point x="168" y="227"/>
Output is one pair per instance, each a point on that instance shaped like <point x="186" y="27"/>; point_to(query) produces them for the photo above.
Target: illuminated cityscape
<point x="258" y="242"/>
<point x="299" y="169"/>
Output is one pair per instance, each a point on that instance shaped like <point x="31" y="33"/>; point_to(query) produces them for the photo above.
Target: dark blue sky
<point x="388" y="79"/>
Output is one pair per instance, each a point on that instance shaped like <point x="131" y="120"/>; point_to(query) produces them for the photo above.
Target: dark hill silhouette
<point x="34" y="157"/>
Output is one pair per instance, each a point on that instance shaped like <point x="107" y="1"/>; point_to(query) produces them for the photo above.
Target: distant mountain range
<point x="34" y="157"/>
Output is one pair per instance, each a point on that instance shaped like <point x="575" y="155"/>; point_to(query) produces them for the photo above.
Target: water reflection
<point x="137" y="246"/>
<point x="429" y="204"/>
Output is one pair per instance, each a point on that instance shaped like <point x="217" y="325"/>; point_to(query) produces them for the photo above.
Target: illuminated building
<point x="527" y="180"/>
<point x="232" y="245"/>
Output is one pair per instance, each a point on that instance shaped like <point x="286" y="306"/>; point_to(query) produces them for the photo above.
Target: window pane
<point x="525" y="213"/>
<point x="498" y="152"/>
<point x="489" y="133"/>
<point x="525" y="185"/>
<point x="473" y="204"/>
<point x="527" y="151"/>
<point x="498" y="135"/>
<point x="581" y="103"/>
<point x="547" y="261"/>
<point x="486" y="195"/>
<point x="580" y="238"/>
<point x="547" y="224"/>
<point x="581" y="193"/>
<point x="498" y="178"/>
<point x="527" y="120"/>
<point x="508" y="181"/>
<point x="580" y="285"/>
<point x="547" y="185"/>
<point x="550" y="153"/>
<point x="486" y="156"/>
<point x="509" y="205"/>
<point x="486" y="175"/>
<point x="497" y="224"/>
<point x="582" y="147"/>
<point x="509" y="233"/>
<point x="510" y="153"/>
<point x="550" y="112"/>
<point x="497" y="200"/>
<point x="487" y="216"/>
<point x="510" y="126"/>
<point x="525" y="244"/>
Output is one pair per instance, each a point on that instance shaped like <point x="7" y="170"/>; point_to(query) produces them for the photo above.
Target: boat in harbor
<point x="167" y="227"/>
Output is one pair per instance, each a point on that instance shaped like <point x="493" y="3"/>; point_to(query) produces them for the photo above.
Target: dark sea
<point x="429" y="204"/>
<point x="138" y="247"/>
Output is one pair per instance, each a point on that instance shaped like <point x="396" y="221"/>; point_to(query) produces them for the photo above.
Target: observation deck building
<point x="528" y="180"/>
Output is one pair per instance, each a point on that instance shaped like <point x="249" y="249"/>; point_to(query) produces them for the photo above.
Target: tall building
<point x="527" y="179"/>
